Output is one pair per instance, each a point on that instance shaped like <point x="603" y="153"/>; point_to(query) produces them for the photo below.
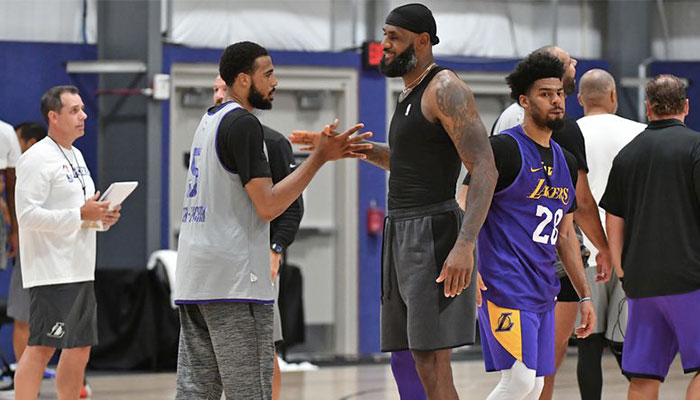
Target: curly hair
<point x="239" y="57"/>
<point x="666" y="95"/>
<point x="537" y="65"/>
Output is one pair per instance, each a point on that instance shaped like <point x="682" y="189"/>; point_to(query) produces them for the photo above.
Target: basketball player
<point x="568" y="136"/>
<point x="529" y="221"/>
<point x="284" y="228"/>
<point x="223" y="284"/>
<point x="428" y="253"/>
<point x="652" y="204"/>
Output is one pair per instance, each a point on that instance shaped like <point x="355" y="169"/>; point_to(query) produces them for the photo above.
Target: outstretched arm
<point x="451" y="102"/>
<point x="378" y="155"/>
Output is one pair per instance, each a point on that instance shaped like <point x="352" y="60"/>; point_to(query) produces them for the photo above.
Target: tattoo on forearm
<point x="378" y="155"/>
<point x="461" y="121"/>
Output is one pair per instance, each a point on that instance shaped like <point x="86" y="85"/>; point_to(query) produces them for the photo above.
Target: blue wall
<point x="28" y="69"/>
<point x="691" y="71"/>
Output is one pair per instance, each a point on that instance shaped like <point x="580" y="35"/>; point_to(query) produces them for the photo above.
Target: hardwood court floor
<point x="370" y="382"/>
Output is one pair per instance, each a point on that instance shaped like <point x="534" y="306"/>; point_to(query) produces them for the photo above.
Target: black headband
<point x="416" y="18"/>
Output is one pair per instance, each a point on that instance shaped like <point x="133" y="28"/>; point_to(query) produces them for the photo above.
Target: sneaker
<point x="86" y="391"/>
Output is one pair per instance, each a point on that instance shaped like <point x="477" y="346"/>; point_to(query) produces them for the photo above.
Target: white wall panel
<point x="276" y="24"/>
<point x="47" y="21"/>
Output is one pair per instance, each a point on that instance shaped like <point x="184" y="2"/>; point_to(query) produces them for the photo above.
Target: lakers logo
<point x="505" y="324"/>
<point x="57" y="331"/>
<point x="506" y="328"/>
<point x="555" y="193"/>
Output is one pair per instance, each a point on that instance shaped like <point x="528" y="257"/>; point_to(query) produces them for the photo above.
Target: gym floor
<point x="371" y="382"/>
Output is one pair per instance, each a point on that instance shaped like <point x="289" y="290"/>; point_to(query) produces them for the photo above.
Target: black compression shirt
<point x="424" y="163"/>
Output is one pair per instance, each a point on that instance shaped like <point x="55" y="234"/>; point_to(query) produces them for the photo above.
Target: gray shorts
<point x="610" y="306"/>
<point x="63" y="316"/>
<point x="415" y="314"/>
<point x="225" y="346"/>
<point x="18" y="299"/>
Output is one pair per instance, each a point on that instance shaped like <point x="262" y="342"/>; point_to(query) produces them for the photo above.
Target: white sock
<point x="537" y="390"/>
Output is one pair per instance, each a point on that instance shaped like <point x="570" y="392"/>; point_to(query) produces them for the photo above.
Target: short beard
<point x="555" y="124"/>
<point x="569" y="86"/>
<point x="403" y="63"/>
<point x="552" y="124"/>
<point x="256" y="99"/>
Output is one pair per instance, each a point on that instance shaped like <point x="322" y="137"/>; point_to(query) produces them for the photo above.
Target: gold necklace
<point x="408" y="88"/>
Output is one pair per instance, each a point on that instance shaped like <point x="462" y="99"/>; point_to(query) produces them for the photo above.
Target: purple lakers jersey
<point x="517" y="243"/>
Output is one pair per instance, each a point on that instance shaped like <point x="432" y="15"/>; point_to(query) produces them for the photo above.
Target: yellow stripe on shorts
<point x="506" y="328"/>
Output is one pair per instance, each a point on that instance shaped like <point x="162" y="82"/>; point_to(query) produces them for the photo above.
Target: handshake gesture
<point x="330" y="145"/>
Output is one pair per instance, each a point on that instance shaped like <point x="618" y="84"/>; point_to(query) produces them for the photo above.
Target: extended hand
<point x="457" y="269"/>
<point x="94" y="210"/>
<point x="587" y="320"/>
<point x="332" y="146"/>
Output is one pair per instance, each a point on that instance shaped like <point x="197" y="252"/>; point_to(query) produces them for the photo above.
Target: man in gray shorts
<point x="428" y="259"/>
<point x="57" y="212"/>
<point x="284" y="228"/>
<point x="223" y="284"/>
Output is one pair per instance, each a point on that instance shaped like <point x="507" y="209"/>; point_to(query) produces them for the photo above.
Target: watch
<point x="277" y="248"/>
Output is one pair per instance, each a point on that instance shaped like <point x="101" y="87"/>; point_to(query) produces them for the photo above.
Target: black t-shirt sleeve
<point x="239" y="143"/>
<point x="573" y="170"/>
<point x="613" y="198"/>
<point x="570" y="137"/>
<point x="506" y="154"/>
<point x="284" y="228"/>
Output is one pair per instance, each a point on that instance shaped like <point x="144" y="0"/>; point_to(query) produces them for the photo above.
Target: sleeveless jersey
<point x="223" y="249"/>
<point x="424" y="163"/>
<point x="517" y="243"/>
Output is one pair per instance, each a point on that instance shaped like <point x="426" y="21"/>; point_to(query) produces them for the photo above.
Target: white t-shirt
<point x="605" y="136"/>
<point x="54" y="248"/>
<point x="9" y="146"/>
<point x="512" y="116"/>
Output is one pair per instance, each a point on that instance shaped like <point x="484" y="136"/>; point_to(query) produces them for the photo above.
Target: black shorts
<point x="567" y="293"/>
<point x="63" y="316"/>
<point x="415" y="314"/>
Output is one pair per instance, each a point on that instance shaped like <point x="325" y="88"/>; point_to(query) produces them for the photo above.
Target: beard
<point x="403" y="63"/>
<point x="256" y="99"/>
<point x="569" y="85"/>
<point x="543" y="121"/>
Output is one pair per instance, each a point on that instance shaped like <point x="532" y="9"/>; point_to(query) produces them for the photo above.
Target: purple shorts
<point x="508" y="335"/>
<point x="657" y="329"/>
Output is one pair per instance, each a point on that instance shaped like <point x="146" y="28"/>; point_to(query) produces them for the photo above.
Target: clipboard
<point x="117" y="192"/>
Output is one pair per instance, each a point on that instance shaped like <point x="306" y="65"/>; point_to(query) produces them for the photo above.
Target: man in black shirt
<point x="652" y="204"/>
<point x="428" y="247"/>
<point x="284" y="228"/>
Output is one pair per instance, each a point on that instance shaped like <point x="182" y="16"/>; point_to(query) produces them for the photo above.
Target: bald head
<point x="569" y="77"/>
<point x="597" y="93"/>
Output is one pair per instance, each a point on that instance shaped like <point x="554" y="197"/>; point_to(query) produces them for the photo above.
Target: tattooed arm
<point x="449" y="101"/>
<point x="378" y="155"/>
